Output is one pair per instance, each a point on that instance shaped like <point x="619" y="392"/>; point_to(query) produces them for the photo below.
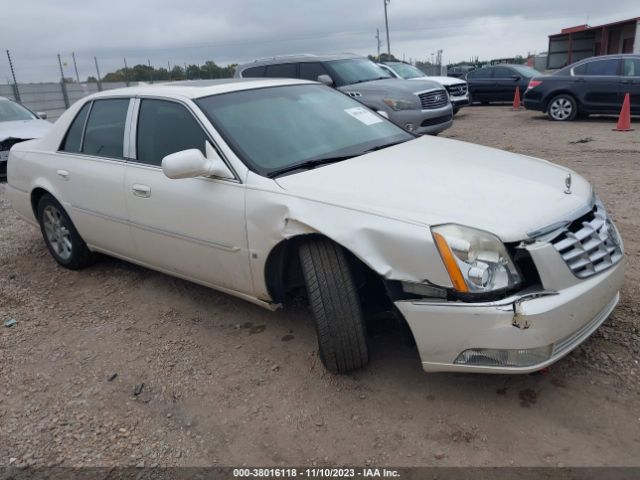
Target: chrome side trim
<point x="509" y="301"/>
<point x="179" y="236"/>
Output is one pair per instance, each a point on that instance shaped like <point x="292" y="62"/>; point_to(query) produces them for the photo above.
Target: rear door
<point x="631" y="82"/>
<point x="192" y="227"/>
<point x="598" y="85"/>
<point x="481" y="84"/>
<point x="506" y="81"/>
<point x="89" y="171"/>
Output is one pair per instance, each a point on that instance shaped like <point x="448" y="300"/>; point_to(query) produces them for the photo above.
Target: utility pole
<point x="378" y="41"/>
<point x="386" y="24"/>
<point x="95" y="59"/>
<point x="150" y="70"/>
<point x="63" y="85"/>
<point x="169" y="68"/>
<point x="16" y="92"/>
<point x="126" y="72"/>
<point x="75" y="65"/>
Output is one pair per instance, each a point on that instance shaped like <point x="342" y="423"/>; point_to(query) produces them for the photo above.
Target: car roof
<point x="300" y="57"/>
<point x="198" y="88"/>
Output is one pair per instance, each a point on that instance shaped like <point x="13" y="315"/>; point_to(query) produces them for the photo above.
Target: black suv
<point x="596" y="85"/>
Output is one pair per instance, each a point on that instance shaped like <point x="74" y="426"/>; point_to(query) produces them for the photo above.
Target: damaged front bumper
<point x="519" y="334"/>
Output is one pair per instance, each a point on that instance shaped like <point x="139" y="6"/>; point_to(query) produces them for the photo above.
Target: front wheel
<point x="335" y="305"/>
<point x="562" y="108"/>
<point x="60" y="235"/>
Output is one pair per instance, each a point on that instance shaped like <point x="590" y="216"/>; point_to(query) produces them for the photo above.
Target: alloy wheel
<point x="57" y="232"/>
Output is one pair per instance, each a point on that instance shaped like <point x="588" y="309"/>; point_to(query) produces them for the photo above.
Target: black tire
<point x="71" y="252"/>
<point x="335" y="305"/>
<point x="456" y="110"/>
<point x="562" y="108"/>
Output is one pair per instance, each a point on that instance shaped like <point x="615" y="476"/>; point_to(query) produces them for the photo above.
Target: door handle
<point x="142" y="191"/>
<point x="63" y="174"/>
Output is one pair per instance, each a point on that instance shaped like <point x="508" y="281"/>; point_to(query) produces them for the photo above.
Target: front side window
<point x="312" y="70"/>
<point x="483" y="73"/>
<point x="607" y="67"/>
<point x="356" y="70"/>
<point x="272" y="129"/>
<point x="631" y="67"/>
<point x="407" y="71"/>
<point x="73" y="140"/>
<point x="104" y="133"/>
<point x="11" y="112"/>
<point x="284" y="70"/>
<point x="164" y="128"/>
<point x="503" y="73"/>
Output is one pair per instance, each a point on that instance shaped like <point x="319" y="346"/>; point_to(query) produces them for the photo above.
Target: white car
<point x="498" y="262"/>
<point x="458" y="89"/>
<point x="17" y="124"/>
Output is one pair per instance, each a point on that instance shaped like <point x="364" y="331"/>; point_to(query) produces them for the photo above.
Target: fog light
<point x="490" y="357"/>
<point x="409" y="127"/>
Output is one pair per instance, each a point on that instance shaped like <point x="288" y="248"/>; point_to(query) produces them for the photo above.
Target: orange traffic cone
<point x="624" y="121"/>
<point x="516" y="99"/>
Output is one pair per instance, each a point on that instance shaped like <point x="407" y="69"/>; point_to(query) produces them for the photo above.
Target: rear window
<point x="284" y="70"/>
<point x="253" y="72"/>
<point x="607" y="67"/>
<point x="104" y="133"/>
<point x="73" y="139"/>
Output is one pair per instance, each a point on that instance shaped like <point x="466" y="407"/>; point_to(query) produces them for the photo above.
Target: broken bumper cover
<point x="520" y="334"/>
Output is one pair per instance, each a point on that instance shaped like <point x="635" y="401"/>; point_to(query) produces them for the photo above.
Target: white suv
<point x="497" y="262"/>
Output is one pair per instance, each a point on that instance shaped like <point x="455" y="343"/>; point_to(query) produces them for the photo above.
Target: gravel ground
<point x="225" y="383"/>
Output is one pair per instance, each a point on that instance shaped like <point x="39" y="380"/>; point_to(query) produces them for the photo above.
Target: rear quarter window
<point x="73" y="139"/>
<point x="284" y="70"/>
<point x="253" y="72"/>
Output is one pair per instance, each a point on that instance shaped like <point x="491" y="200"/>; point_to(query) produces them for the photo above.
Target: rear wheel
<point x="335" y="305"/>
<point x="562" y="108"/>
<point x="60" y="235"/>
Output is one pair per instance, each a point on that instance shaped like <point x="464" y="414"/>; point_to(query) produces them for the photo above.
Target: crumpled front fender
<point x="394" y="248"/>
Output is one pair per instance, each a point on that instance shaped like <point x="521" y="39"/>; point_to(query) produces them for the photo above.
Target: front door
<point x="631" y="83"/>
<point x="506" y="82"/>
<point x="192" y="227"/>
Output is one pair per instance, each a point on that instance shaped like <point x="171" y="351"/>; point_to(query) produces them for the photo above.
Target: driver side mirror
<point x="326" y="79"/>
<point x="192" y="163"/>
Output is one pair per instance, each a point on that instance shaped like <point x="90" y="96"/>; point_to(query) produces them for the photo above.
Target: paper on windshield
<point x="364" y="115"/>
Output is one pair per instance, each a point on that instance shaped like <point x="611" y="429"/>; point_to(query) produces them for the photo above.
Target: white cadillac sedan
<point x="261" y="188"/>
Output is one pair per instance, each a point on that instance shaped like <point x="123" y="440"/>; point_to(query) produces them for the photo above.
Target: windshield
<point x="272" y="129"/>
<point x="10" y="112"/>
<point x="526" y="71"/>
<point x="356" y="70"/>
<point x="407" y="71"/>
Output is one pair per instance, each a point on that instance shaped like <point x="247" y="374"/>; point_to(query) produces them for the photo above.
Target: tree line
<point x="146" y="73"/>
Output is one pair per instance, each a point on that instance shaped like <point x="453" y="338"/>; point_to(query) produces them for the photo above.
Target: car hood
<point x="442" y="80"/>
<point x="433" y="180"/>
<point x="391" y="85"/>
<point x="23" y="129"/>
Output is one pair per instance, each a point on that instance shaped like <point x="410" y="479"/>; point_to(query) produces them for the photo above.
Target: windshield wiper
<point x="309" y="165"/>
<point x="316" y="162"/>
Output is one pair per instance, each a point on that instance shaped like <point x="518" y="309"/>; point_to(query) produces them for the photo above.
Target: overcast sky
<point x="232" y="31"/>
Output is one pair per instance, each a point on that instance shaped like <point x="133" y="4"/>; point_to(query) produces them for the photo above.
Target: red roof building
<point x="583" y="41"/>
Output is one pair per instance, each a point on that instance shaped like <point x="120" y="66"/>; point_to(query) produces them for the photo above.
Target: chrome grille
<point x="434" y="99"/>
<point x="457" y="90"/>
<point x="589" y="244"/>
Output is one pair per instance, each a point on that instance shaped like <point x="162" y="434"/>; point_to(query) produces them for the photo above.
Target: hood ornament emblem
<point x="567" y="183"/>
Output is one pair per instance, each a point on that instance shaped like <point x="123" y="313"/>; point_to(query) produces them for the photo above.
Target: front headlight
<point x="399" y="104"/>
<point x="476" y="261"/>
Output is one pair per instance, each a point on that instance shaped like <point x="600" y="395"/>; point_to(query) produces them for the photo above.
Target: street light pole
<point x="386" y="24"/>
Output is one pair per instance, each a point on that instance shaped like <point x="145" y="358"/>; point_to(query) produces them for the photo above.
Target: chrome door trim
<point x="129" y="150"/>
<point x="179" y="236"/>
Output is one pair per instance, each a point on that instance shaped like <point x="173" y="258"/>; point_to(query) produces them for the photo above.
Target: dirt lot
<point x="226" y="383"/>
